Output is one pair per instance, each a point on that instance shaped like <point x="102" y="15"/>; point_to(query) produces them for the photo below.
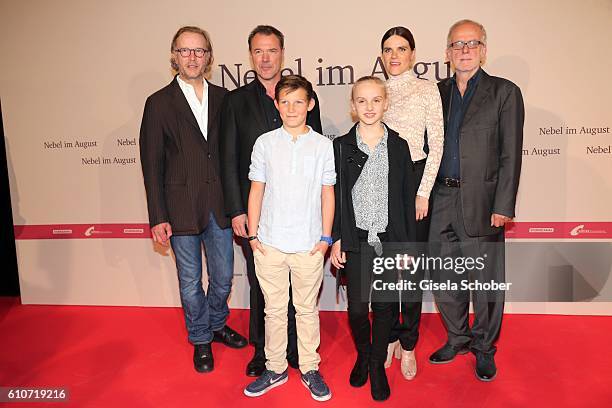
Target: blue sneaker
<point x="314" y="382"/>
<point x="265" y="382"/>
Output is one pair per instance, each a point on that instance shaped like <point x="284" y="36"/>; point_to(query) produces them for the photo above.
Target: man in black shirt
<point x="247" y="113"/>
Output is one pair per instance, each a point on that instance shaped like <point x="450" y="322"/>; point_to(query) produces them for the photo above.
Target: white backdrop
<point x="75" y="75"/>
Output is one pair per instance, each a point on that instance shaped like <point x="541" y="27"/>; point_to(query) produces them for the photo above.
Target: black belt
<point x="448" y="182"/>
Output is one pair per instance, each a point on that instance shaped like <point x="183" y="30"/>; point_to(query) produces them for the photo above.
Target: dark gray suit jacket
<point x="490" y="146"/>
<point x="180" y="167"/>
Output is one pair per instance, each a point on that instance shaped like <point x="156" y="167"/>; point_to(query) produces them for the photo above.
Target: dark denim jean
<point x="204" y="312"/>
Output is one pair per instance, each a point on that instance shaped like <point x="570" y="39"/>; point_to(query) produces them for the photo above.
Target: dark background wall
<point x="9" y="281"/>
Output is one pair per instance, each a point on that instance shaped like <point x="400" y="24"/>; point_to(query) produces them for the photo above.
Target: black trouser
<point x="257" y="331"/>
<point x="406" y="327"/>
<point x="358" y="288"/>
<point x="447" y="226"/>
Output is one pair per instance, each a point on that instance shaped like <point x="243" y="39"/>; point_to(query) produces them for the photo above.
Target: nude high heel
<point x="398" y="351"/>
<point x="392" y="351"/>
<point x="408" y="364"/>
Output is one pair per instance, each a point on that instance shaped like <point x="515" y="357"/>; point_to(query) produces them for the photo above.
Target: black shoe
<point x="257" y="365"/>
<point x="229" y="337"/>
<point x="379" y="386"/>
<point x="359" y="373"/>
<point x="446" y="354"/>
<point x="485" y="367"/>
<point x="203" y="358"/>
<point x="292" y="359"/>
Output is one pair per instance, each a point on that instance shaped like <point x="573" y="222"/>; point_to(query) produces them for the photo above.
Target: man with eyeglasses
<point x="475" y="193"/>
<point x="179" y="138"/>
<point x="248" y="112"/>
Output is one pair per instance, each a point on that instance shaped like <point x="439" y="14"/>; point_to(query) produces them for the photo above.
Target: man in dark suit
<point x="180" y="164"/>
<point x="247" y="113"/>
<point x="475" y="193"/>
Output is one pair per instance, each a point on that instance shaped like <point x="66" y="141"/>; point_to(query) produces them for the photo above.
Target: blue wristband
<point x="328" y="240"/>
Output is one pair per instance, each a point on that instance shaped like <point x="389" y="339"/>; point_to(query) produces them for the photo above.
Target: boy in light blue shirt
<point x="290" y="216"/>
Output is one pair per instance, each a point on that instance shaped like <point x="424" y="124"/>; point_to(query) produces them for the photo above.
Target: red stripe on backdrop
<point x="516" y="230"/>
<point x="82" y="231"/>
<point x="565" y="230"/>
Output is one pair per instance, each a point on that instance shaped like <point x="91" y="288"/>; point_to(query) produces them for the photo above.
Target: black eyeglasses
<point x="186" y="52"/>
<point x="458" y="45"/>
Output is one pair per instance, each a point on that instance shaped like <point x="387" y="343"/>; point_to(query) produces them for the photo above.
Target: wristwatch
<point x="252" y="238"/>
<point x="328" y="240"/>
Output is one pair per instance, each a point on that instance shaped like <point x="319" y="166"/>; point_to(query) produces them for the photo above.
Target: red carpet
<point x="139" y="357"/>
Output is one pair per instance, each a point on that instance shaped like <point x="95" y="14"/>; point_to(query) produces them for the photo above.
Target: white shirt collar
<point x="187" y="87"/>
<point x="290" y="136"/>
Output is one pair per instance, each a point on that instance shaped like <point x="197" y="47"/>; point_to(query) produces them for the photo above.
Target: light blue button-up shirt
<point x="294" y="173"/>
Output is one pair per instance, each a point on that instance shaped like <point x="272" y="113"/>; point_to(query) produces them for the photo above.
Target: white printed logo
<point x="91" y="231"/>
<point x="275" y="380"/>
<point x="576" y="230"/>
<point x="541" y="229"/>
<point x="580" y="230"/>
<point x="133" y="231"/>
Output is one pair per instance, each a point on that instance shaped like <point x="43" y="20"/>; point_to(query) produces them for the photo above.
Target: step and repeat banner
<point x="75" y="75"/>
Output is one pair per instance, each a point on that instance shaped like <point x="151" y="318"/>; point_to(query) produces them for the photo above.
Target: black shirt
<point x="450" y="166"/>
<point x="273" y="119"/>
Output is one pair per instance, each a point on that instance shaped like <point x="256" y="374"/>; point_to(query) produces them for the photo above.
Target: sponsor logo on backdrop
<point x="541" y="230"/>
<point x="92" y="231"/>
<point x="581" y="230"/>
<point x="133" y="230"/>
<point x="61" y="231"/>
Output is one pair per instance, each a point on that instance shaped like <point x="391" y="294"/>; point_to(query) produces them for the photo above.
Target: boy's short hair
<point x="292" y="83"/>
<point x="367" y="78"/>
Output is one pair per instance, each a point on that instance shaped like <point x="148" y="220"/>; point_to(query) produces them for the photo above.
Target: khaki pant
<point x="306" y="271"/>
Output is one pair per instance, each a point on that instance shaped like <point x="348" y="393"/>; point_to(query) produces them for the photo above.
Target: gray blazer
<point x="490" y="145"/>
